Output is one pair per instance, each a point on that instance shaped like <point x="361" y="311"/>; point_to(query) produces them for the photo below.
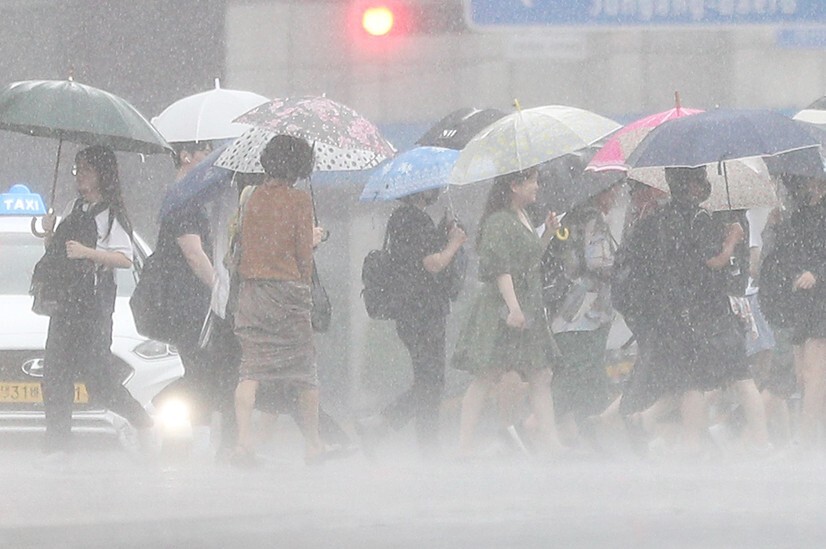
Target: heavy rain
<point x="412" y="273"/>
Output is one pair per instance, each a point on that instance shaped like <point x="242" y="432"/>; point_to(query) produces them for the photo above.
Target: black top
<point x="193" y="295"/>
<point x="694" y="293"/>
<point x="412" y="236"/>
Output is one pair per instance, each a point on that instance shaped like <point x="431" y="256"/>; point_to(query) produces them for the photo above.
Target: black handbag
<point x="150" y="303"/>
<point x="321" y="312"/>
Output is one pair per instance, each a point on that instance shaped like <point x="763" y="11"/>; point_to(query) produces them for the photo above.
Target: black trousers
<point x="78" y="347"/>
<point x="424" y="337"/>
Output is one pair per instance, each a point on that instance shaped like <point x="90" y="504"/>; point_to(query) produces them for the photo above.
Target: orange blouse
<point x="277" y="235"/>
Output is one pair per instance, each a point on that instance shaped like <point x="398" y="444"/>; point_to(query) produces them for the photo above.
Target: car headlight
<point x="173" y="415"/>
<point x="154" y="350"/>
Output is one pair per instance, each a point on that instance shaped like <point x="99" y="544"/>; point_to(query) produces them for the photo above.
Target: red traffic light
<point x="378" y="20"/>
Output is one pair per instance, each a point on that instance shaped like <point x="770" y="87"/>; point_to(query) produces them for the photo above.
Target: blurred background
<point x="403" y="64"/>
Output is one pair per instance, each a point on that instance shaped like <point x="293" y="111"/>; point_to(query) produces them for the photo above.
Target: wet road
<point x="106" y="499"/>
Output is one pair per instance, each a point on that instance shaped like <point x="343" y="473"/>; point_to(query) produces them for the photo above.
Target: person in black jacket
<point x="806" y="254"/>
<point x="418" y="253"/>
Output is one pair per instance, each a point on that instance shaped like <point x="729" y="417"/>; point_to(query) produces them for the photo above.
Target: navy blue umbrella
<point x="719" y="135"/>
<point x="201" y="183"/>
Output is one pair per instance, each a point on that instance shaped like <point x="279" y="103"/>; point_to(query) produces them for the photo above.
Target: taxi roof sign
<point x="19" y="200"/>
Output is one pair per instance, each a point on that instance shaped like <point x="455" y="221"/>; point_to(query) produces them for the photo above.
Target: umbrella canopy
<point x="528" y="138"/>
<point x="565" y="184"/>
<point x="723" y="134"/>
<point x="206" y="116"/>
<point x="202" y="182"/>
<point x="615" y="151"/>
<point x="749" y="184"/>
<point x="323" y="121"/>
<point x="457" y="128"/>
<point x="66" y="110"/>
<point x="244" y="155"/>
<point x="411" y="172"/>
<point x="814" y="113"/>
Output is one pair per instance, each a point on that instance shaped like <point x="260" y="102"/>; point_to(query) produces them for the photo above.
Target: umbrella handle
<point x="35" y="232"/>
<point x="562" y="233"/>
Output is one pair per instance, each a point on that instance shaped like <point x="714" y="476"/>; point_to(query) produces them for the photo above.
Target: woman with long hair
<point x="507" y="330"/>
<point x="92" y="239"/>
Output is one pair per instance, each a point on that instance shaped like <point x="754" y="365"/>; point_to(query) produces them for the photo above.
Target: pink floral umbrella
<point x="323" y="121"/>
<point x="614" y="152"/>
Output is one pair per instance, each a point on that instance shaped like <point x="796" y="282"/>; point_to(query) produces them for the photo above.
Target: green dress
<point x="486" y="343"/>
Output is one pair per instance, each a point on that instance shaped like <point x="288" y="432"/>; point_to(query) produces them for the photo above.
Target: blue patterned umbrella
<point x="411" y="172"/>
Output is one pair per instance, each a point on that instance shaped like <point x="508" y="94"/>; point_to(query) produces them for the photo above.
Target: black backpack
<point x="380" y="280"/>
<point x="59" y="284"/>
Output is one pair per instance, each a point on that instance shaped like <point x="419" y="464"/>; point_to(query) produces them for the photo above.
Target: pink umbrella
<point x="613" y="154"/>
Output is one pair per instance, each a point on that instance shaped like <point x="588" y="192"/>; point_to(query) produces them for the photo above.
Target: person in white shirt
<point x="92" y="239"/>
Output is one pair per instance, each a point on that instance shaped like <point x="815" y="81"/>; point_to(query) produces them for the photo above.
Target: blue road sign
<point x="698" y="13"/>
<point x="21" y="201"/>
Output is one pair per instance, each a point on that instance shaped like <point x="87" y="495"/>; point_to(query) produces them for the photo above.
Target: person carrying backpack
<point x="694" y="343"/>
<point x="95" y="234"/>
<point x="418" y="253"/>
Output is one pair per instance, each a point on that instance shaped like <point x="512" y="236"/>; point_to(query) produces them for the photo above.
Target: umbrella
<point x="202" y="182"/>
<point x="744" y="184"/>
<point x="350" y="137"/>
<point x="814" y="113"/>
<point x="411" y="172"/>
<point x="715" y="136"/>
<point x="564" y="183"/>
<point x="68" y="111"/>
<point x="457" y="128"/>
<point x="528" y="138"/>
<point x="244" y="155"/>
<point x="206" y="116"/>
<point x="615" y="151"/>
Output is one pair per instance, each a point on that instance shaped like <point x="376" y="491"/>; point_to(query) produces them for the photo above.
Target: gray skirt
<point x="274" y="330"/>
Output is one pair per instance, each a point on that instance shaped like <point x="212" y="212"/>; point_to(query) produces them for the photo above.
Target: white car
<point x="145" y="366"/>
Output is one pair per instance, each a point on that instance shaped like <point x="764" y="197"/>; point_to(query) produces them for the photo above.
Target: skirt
<point x="274" y="329"/>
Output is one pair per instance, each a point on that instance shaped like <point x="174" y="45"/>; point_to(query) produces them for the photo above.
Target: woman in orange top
<point x="273" y="319"/>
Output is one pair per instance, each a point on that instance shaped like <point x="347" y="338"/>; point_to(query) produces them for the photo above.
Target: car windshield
<point x="18" y="254"/>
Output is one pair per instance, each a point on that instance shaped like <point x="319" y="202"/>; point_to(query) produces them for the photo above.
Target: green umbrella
<point x="68" y="111"/>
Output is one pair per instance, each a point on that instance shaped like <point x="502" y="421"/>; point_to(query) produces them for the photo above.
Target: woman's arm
<point x="112" y="260"/>
<point x="516" y="318"/>
<point x="435" y="263"/>
<point x="197" y="259"/>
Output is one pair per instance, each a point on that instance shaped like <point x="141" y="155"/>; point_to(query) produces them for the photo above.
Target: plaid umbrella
<point x="322" y="121"/>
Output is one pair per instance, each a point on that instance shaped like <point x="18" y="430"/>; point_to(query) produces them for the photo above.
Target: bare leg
<point x="814" y="390"/>
<point x="244" y="405"/>
<point x="510" y="393"/>
<point x="542" y="405"/>
<point x="308" y="413"/>
<point x="754" y="411"/>
<point x="472" y="405"/>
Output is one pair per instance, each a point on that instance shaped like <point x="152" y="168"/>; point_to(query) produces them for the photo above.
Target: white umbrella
<point x="207" y="116"/>
<point x="244" y="154"/>
<point x="749" y="184"/>
<point x="528" y="138"/>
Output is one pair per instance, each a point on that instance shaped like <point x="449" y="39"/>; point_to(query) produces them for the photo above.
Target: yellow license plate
<point x="30" y="393"/>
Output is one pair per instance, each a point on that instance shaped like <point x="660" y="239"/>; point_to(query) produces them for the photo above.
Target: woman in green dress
<point x="506" y="329"/>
